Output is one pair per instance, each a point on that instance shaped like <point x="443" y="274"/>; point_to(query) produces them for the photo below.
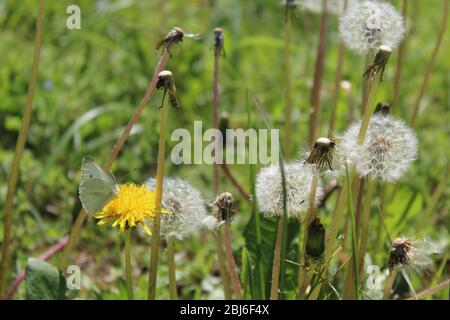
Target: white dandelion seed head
<point x="269" y="189"/>
<point x="188" y="212"/>
<point x="368" y="24"/>
<point x="388" y="150"/>
<point x="335" y="7"/>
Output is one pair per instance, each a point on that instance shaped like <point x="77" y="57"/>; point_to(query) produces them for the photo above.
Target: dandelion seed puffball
<point x="187" y="206"/>
<point x="367" y="25"/>
<point x="388" y="150"/>
<point x="333" y="6"/>
<point x="269" y="189"/>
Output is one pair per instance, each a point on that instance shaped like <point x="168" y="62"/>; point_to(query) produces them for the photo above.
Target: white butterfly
<point x="96" y="187"/>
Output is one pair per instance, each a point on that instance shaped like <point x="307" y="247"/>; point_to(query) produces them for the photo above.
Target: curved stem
<point x="20" y="145"/>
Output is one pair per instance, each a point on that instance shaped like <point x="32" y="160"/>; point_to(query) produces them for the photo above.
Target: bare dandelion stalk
<point x="400" y="59"/>
<point x="165" y="81"/>
<point x="171" y="268"/>
<point x="318" y="75"/>
<point x="431" y="62"/>
<point x="231" y="263"/>
<point x="128" y="270"/>
<point x="218" y="50"/>
<point x="20" y="145"/>
<point x="222" y="265"/>
<point x="388" y="284"/>
<point x="76" y="227"/>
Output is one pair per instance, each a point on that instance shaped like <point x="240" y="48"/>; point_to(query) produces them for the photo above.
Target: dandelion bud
<point x="218" y="41"/>
<point x="322" y="153"/>
<point x="223" y="207"/>
<point x="173" y="37"/>
<point x="188" y="212"/>
<point x="269" y="189"/>
<point x="387" y="152"/>
<point x="383" y="108"/>
<point x="315" y="242"/>
<point x="368" y="24"/>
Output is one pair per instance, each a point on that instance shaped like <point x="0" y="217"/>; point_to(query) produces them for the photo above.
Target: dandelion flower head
<point x="128" y="208"/>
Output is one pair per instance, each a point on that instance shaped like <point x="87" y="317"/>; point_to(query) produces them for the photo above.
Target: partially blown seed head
<point x="368" y="24"/>
<point x="387" y="152"/>
<point x="223" y="207"/>
<point x="269" y="189"/>
<point x="412" y="254"/>
<point x="188" y="212"/>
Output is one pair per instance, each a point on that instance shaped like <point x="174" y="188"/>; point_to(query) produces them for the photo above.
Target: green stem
<point x="364" y="232"/>
<point x="153" y="272"/>
<point x="171" y="267"/>
<point x="305" y="273"/>
<point x="128" y="270"/>
<point x="287" y="83"/>
<point x="353" y="231"/>
<point x="20" y="145"/>
<point x="274" y="289"/>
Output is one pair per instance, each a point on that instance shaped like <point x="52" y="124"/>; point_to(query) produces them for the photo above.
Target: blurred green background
<point x="91" y="80"/>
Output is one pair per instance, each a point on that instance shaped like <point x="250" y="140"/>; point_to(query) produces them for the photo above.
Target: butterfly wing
<point x="96" y="187"/>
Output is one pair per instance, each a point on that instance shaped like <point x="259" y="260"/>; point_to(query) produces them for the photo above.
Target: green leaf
<point x="44" y="281"/>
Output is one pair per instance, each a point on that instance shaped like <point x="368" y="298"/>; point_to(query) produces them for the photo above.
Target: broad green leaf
<point x="44" y="281"/>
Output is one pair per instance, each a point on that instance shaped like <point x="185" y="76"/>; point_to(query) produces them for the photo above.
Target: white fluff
<point x="388" y="150"/>
<point x="188" y="215"/>
<point x="368" y="24"/>
<point x="269" y="189"/>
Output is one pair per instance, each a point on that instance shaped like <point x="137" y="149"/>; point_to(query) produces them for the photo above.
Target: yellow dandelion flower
<point x="130" y="206"/>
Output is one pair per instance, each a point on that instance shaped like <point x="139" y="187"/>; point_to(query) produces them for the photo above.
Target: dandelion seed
<point x="315" y="243"/>
<point x="388" y="150"/>
<point x="367" y="25"/>
<point x="187" y="207"/>
<point x="130" y="207"/>
<point x="269" y="189"/>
